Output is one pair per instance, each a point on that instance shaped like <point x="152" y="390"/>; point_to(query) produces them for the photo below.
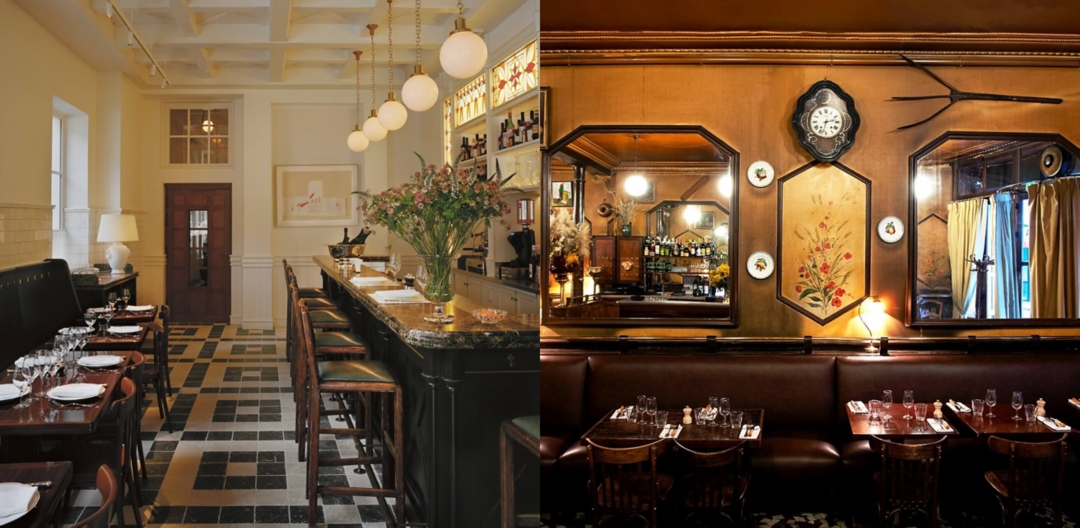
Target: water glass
<point x="991" y="401"/>
<point x="1017" y="404"/>
<point x="736" y="419"/>
<point x="920" y="412"/>
<point x="90" y="318"/>
<point x="977" y="407"/>
<point x="886" y="402"/>
<point x="699" y="416"/>
<point x="713" y="410"/>
<point x="661" y="418"/>
<point x="1029" y="412"/>
<point x="909" y="400"/>
<point x="875" y="411"/>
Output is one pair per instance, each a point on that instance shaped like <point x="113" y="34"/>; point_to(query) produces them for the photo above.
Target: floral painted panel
<point x="824" y="240"/>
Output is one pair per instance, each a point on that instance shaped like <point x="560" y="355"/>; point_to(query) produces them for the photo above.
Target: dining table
<point x="128" y="316"/>
<point x="112" y="341"/>
<point x="1004" y="425"/>
<point x="895" y="426"/>
<point x="45" y="417"/>
<point x="57" y="474"/>
<point x="621" y="432"/>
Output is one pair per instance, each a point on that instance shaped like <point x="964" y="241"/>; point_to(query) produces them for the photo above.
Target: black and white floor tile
<point x="232" y="459"/>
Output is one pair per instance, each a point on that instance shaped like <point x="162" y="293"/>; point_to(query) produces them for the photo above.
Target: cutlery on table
<point x="43" y="484"/>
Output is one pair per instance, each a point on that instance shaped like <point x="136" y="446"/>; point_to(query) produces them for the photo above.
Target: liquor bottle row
<point x="513" y="133"/>
<point x="669" y="247"/>
<point x="474" y="149"/>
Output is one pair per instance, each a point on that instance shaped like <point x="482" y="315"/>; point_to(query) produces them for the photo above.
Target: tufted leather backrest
<point x="36" y="300"/>
<point x="562" y="391"/>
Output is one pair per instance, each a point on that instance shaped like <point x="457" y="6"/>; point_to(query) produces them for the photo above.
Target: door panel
<point x="198" y="235"/>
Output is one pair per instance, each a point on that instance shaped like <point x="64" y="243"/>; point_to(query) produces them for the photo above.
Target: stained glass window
<point x="470" y="102"/>
<point x="514" y="76"/>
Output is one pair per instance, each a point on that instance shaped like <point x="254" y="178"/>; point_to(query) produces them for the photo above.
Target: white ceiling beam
<point x="377" y="15"/>
<point x="280" y="16"/>
<point x="338" y="36"/>
<point x="184" y="19"/>
<point x="202" y="61"/>
<point x="277" y="64"/>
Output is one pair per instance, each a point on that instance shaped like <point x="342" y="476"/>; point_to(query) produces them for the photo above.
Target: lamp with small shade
<point x="117" y="228"/>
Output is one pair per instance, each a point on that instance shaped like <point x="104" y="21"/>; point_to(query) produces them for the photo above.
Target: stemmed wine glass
<point x="886" y="402"/>
<point x="1017" y="404"/>
<point x="126" y="296"/>
<point x="32" y="369"/>
<point x="108" y="315"/>
<point x="725" y="409"/>
<point x="21" y="381"/>
<point x="909" y="402"/>
<point x="90" y="317"/>
<point x="650" y="409"/>
<point x="991" y="401"/>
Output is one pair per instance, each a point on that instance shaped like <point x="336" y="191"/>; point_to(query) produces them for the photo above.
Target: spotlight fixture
<point x="153" y="70"/>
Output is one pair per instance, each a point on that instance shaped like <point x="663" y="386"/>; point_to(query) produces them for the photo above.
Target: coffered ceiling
<point x="260" y="42"/>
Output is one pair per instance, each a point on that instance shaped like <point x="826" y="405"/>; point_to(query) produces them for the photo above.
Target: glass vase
<point x="438" y="289"/>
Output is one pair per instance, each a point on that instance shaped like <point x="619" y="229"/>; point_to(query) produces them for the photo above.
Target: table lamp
<point x="117" y="228"/>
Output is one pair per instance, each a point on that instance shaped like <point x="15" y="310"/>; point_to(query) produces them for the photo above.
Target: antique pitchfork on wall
<point x="956" y="95"/>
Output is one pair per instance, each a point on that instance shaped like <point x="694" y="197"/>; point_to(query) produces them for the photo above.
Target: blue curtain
<point x="1007" y="275"/>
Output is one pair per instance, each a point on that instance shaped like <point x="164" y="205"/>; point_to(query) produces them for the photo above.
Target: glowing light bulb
<point x="636" y="185"/>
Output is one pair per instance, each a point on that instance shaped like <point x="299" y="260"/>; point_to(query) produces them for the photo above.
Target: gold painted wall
<point x="750" y="108"/>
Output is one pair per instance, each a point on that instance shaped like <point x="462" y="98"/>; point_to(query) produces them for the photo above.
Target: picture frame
<point x="562" y="194"/>
<point x="707" y="221"/>
<point x="317" y="195"/>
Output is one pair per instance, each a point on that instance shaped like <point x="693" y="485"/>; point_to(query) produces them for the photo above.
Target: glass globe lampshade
<point x="721" y="232"/>
<point x="464" y="54"/>
<point x="373" y="129"/>
<point x="420" y="92"/>
<point x="692" y="215"/>
<point x="725" y="185"/>
<point x="357" y="141"/>
<point x="635" y="185"/>
<point x="392" y="114"/>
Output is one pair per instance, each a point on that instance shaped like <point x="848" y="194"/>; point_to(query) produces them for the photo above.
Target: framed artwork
<point x="708" y="218"/>
<point x="824" y="249"/>
<point x="562" y="194"/>
<point x="649" y="196"/>
<point x="317" y="195"/>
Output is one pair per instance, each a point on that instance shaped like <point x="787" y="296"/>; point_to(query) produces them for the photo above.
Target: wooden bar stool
<point x="373" y="384"/>
<point x="304" y="292"/>
<point x="525" y="430"/>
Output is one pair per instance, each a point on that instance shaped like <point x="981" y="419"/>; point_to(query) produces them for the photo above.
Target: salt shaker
<point x="1040" y="407"/>
<point x="937" y="410"/>
<point x="687" y="419"/>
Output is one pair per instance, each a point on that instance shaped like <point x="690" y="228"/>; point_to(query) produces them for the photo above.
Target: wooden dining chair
<point x="106" y="486"/>
<point x="624" y="482"/>
<point x="908" y="479"/>
<point x="712" y="486"/>
<point x="156" y="373"/>
<point x="1035" y="478"/>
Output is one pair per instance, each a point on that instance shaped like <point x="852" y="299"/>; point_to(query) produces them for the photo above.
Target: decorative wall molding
<point x="236" y="295"/>
<point x="5" y="205"/>
<point x="257" y="293"/>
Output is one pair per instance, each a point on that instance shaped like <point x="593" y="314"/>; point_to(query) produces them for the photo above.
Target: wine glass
<point x="1017" y="404"/>
<point x="109" y="313"/>
<point x="725" y="409"/>
<point x="886" y="402"/>
<point x="112" y="299"/>
<point x="90" y="317"/>
<point x="713" y="410"/>
<point x="33" y="371"/>
<point x="639" y="408"/>
<point x="21" y="381"/>
<point x="126" y="296"/>
<point x="909" y="401"/>
<point x="991" y="401"/>
<point x="650" y="409"/>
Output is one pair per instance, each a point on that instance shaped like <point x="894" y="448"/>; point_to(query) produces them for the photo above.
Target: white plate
<point x="99" y="361"/>
<point x="125" y="329"/>
<point x="10" y="486"/>
<point x="760" y="265"/>
<point x="76" y="392"/>
<point x="890" y="229"/>
<point x="9" y="392"/>
<point x="140" y="308"/>
<point x="760" y="174"/>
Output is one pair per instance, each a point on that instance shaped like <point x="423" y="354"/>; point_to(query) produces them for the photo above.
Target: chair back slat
<point x="107" y="487"/>
<point x="1036" y="474"/>
<point x="909" y="475"/>
<point x="711" y="483"/>
<point x="624" y="481"/>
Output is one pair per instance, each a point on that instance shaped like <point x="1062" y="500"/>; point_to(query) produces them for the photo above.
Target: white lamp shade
<point x="392" y="114"/>
<point x="463" y="55"/>
<point x="373" y="129"/>
<point x="419" y="93"/>
<point x="117" y="228"/>
<point x="635" y="185"/>
<point x="692" y="215"/>
<point x="725" y="185"/>
<point x="357" y="141"/>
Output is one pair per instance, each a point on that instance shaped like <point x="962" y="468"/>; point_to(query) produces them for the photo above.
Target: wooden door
<point x="629" y="251"/>
<point x="198" y="240"/>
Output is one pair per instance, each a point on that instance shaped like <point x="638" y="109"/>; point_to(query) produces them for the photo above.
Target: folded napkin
<point x="670" y="431"/>
<point x="750" y="432"/>
<point x="99" y="361"/>
<point x="77" y="391"/>
<point x="140" y="308"/>
<point x="1054" y="423"/>
<point x="377" y="266"/>
<point x="16" y="498"/>
<point x="857" y="407"/>
<point x="1075" y="402"/>
<point x="367" y="282"/>
<point x="131" y="329"/>
<point x="958" y="407"/>
<point x="939" y="426"/>
<point x="398" y="297"/>
<point x="624" y="414"/>
<point x="8" y="391"/>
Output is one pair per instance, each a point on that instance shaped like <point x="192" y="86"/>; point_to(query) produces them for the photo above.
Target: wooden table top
<point x="51" y="498"/>
<point x="1003" y="424"/>
<point x="76" y="420"/>
<point x="895" y="427"/>
<point x="112" y="342"/>
<point x="623" y="433"/>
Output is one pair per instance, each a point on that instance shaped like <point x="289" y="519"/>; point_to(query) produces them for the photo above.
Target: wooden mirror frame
<point x="733" y="229"/>
<point x="913" y="235"/>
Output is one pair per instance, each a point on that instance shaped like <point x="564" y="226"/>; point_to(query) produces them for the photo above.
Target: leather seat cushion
<point x="337" y="339"/>
<point x="319" y="303"/>
<point x="354" y="371"/>
<point x="529" y="424"/>
<point x="793" y="455"/>
<point x="328" y="317"/>
<point x="311" y="292"/>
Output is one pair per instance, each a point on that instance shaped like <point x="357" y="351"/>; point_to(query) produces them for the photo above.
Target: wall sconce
<point x="874" y="309"/>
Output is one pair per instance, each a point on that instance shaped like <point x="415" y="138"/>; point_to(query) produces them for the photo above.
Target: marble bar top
<point x="407" y="320"/>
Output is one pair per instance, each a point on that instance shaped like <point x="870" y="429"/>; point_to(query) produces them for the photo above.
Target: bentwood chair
<point x="712" y="486"/>
<point x="156" y="374"/>
<point x="372" y="384"/>
<point x="1035" y="478"/>
<point x="106" y="486"/>
<point x="908" y="480"/>
<point x="625" y="483"/>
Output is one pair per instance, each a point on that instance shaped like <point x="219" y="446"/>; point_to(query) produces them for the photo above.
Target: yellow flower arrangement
<point x="718" y="277"/>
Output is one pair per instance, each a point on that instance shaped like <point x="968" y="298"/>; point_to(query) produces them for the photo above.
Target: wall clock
<point x="825" y="121"/>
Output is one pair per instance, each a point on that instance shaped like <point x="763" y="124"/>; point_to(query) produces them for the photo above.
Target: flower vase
<point x="438" y="289"/>
<point x="562" y="279"/>
<point x="627" y="229"/>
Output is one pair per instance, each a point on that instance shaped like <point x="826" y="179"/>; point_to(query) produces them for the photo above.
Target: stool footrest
<point x="349" y="461"/>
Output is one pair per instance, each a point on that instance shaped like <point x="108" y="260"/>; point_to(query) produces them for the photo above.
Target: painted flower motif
<point x="836" y="302"/>
<point x="821" y="225"/>
<point x="828" y="245"/>
<point x="798" y="289"/>
<point x="825" y="270"/>
<point x="840" y="292"/>
<point x="847" y="256"/>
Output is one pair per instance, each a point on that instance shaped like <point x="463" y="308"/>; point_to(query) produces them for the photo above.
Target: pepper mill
<point x="686" y="419"/>
<point x="1040" y="407"/>
<point x="937" y="410"/>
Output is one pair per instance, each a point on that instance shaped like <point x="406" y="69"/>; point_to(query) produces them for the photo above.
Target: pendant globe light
<point x="372" y="128"/>
<point x="357" y="141"/>
<point x="420" y="92"/>
<point x="464" y="54"/>
<point x="392" y="113"/>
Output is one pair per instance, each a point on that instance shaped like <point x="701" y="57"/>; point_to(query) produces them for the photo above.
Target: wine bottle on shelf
<point x="345" y="240"/>
<point x="534" y="125"/>
<point x="522" y="133"/>
<point x="645" y="248"/>
<point x="511" y="130"/>
<point x="483" y="145"/>
<point x="502" y="136"/>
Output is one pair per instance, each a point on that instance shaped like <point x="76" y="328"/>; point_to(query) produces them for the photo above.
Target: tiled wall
<point x="25" y="234"/>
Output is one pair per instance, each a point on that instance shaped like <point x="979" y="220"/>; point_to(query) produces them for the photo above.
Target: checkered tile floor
<point x="232" y="459"/>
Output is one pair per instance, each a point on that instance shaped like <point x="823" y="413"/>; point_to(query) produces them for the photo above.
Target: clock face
<point x="826" y="121"/>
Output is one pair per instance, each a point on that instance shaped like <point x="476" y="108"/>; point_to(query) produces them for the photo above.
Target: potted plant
<point x="624" y="212"/>
<point x="718" y="279"/>
<point x="569" y="247"/>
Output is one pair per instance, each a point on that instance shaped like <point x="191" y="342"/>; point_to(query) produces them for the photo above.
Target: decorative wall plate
<point x="760" y="265"/>
<point x="760" y="174"/>
<point x="890" y="229"/>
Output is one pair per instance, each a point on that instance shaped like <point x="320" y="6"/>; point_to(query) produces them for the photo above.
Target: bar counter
<point x="460" y="382"/>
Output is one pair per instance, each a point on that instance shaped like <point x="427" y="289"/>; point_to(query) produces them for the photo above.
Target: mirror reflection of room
<point x="655" y="210"/>
<point x="998" y="227"/>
